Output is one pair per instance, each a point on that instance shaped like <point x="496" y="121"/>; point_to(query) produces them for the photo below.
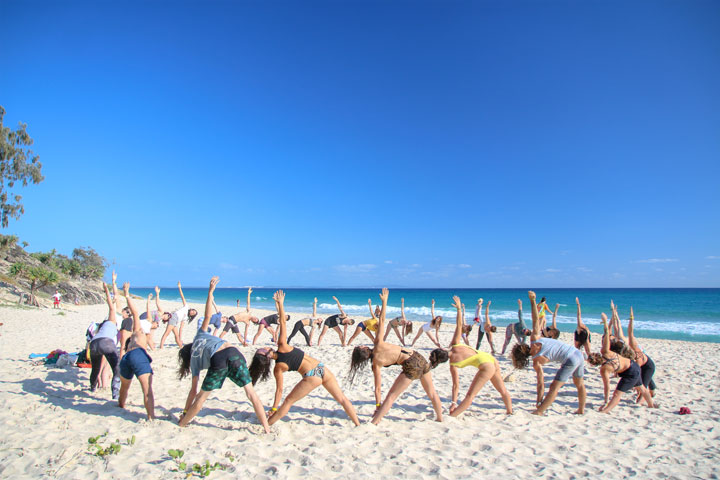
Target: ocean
<point x="671" y="313"/>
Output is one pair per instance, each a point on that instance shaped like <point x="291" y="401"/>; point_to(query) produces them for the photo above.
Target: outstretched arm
<point x="432" y="309"/>
<point x="402" y="308"/>
<point x="208" y="303"/>
<point x="520" y="317"/>
<point x="147" y="312"/>
<point x="279" y="298"/>
<point x="115" y="291"/>
<point x="247" y="308"/>
<point x="110" y="303"/>
<point x="183" y="296"/>
<point x="339" y="306"/>
<point x="372" y="314"/>
<point x="632" y="341"/>
<point x="606" y="335"/>
<point x="457" y="336"/>
<point x="215" y="306"/>
<point x="133" y="310"/>
<point x="157" y="301"/>
<point x="535" y="320"/>
<point x="580" y="324"/>
<point x="620" y="334"/>
<point x="487" y="315"/>
<point x="314" y="316"/>
<point x="384" y="294"/>
<point x="478" y="308"/>
<point x="554" y="320"/>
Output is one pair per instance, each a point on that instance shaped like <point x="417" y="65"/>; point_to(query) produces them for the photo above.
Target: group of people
<point x="210" y="351"/>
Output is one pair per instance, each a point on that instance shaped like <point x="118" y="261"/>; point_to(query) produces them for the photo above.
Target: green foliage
<point x="112" y="449"/>
<point x="7" y="241"/>
<point x="18" y="164"/>
<point x="85" y="262"/>
<point x="176" y="454"/>
<point x="205" y="469"/>
<point x="39" y="277"/>
<point x="25" y="244"/>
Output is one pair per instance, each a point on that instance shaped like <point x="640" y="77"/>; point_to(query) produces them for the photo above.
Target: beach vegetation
<point x="85" y="262"/>
<point x="38" y="277"/>
<point x="18" y="165"/>
<point x="8" y="241"/>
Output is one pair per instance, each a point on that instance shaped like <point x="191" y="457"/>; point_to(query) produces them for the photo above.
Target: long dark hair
<point x="361" y="356"/>
<point x="408" y="327"/>
<point x="260" y="368"/>
<point x="619" y="347"/>
<point x="520" y="355"/>
<point x="438" y="356"/>
<point x="184" y="355"/>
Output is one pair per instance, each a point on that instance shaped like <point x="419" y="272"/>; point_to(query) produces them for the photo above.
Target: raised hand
<point x="384" y="294"/>
<point x="249" y="290"/>
<point x="213" y="283"/>
<point x="114" y="277"/>
<point x="279" y="297"/>
<point x="577" y="300"/>
<point x="179" y="286"/>
<point x="488" y="304"/>
<point x="456" y="302"/>
<point x="531" y="294"/>
<point x="519" y="304"/>
<point x="315" y="300"/>
<point x="157" y="290"/>
<point x="126" y="288"/>
<point x="369" y="302"/>
<point x="107" y="291"/>
<point x="433" y="301"/>
<point x="632" y="316"/>
<point x="480" y="301"/>
<point x="149" y="296"/>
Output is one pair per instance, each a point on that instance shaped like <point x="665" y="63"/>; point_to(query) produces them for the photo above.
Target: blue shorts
<point x="135" y="362"/>
<point x="574" y="365"/>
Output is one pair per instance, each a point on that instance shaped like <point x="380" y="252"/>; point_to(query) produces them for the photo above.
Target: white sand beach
<point x="47" y="415"/>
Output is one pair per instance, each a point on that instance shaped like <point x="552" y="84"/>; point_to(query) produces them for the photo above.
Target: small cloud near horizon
<point x="712" y="257"/>
<point x="359" y="268"/>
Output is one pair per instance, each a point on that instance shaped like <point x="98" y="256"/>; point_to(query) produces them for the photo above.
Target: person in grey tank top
<point x="546" y="350"/>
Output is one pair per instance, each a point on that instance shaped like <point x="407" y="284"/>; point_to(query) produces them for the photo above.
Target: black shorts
<point x="630" y="378"/>
<point x="331" y="321"/>
<point x="231" y="325"/>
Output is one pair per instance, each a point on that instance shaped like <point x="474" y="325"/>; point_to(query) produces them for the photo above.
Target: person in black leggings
<point x="102" y="345"/>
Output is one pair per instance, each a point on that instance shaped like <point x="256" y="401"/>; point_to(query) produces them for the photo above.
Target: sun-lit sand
<point x="47" y="415"/>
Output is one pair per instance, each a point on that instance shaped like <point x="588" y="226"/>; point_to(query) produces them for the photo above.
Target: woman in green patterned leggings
<point x="221" y="360"/>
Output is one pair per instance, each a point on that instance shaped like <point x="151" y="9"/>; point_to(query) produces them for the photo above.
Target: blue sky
<point x="463" y="144"/>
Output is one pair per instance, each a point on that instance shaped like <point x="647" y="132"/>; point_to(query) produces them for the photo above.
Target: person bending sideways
<point x="544" y="350"/>
<point x="221" y="360"/>
<point x="287" y="358"/>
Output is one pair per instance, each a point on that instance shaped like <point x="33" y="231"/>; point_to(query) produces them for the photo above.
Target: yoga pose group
<point x="208" y="351"/>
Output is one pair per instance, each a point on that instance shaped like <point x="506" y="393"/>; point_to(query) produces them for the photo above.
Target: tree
<point x="92" y="264"/>
<point x="17" y="164"/>
<point x="39" y="277"/>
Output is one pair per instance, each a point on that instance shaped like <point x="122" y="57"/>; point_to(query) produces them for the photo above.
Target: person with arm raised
<point x="518" y="329"/>
<point x="543" y="350"/>
<point x="233" y="322"/>
<point x="104" y="344"/>
<point x="221" y="360"/>
<point x="433" y="324"/>
<point x="287" y="358"/>
<point x="582" y="332"/>
<point x="334" y="322"/>
<point x="647" y="366"/>
<point x="622" y="365"/>
<point x="400" y="325"/>
<point x="366" y="326"/>
<point x="175" y="320"/>
<point x="489" y="329"/>
<point x="136" y="360"/>
<point x="383" y="354"/>
<point x="461" y="356"/>
<point x="311" y="322"/>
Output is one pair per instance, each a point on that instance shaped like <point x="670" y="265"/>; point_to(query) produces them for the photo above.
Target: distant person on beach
<point x="581" y="336"/>
<point x="461" y="356"/>
<point x="176" y="319"/>
<point x="221" y="360"/>
<point x="312" y="322"/>
<point x="545" y="331"/>
<point x="56" y="299"/>
<point x="544" y="350"/>
<point x="623" y="366"/>
<point x="266" y="323"/>
<point x="518" y="329"/>
<point x="433" y="324"/>
<point x="383" y="354"/>
<point x="136" y="360"/>
<point x="104" y="344"/>
<point x="400" y="325"/>
<point x="334" y="322"/>
<point x="366" y="326"/>
<point x="287" y="358"/>
<point x="488" y="329"/>
<point x="233" y="321"/>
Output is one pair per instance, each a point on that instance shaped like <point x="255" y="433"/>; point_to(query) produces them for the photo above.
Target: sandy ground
<point x="47" y="415"/>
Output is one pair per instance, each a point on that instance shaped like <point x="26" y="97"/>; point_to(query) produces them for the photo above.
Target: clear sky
<point x="443" y="144"/>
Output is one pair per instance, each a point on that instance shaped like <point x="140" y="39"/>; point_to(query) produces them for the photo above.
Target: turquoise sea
<point x="679" y="313"/>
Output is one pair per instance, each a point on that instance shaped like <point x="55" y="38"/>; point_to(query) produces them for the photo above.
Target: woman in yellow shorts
<point x="461" y="356"/>
<point x="367" y="326"/>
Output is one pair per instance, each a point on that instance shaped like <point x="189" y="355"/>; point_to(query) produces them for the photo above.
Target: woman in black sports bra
<point x="287" y="358"/>
<point x="612" y="363"/>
